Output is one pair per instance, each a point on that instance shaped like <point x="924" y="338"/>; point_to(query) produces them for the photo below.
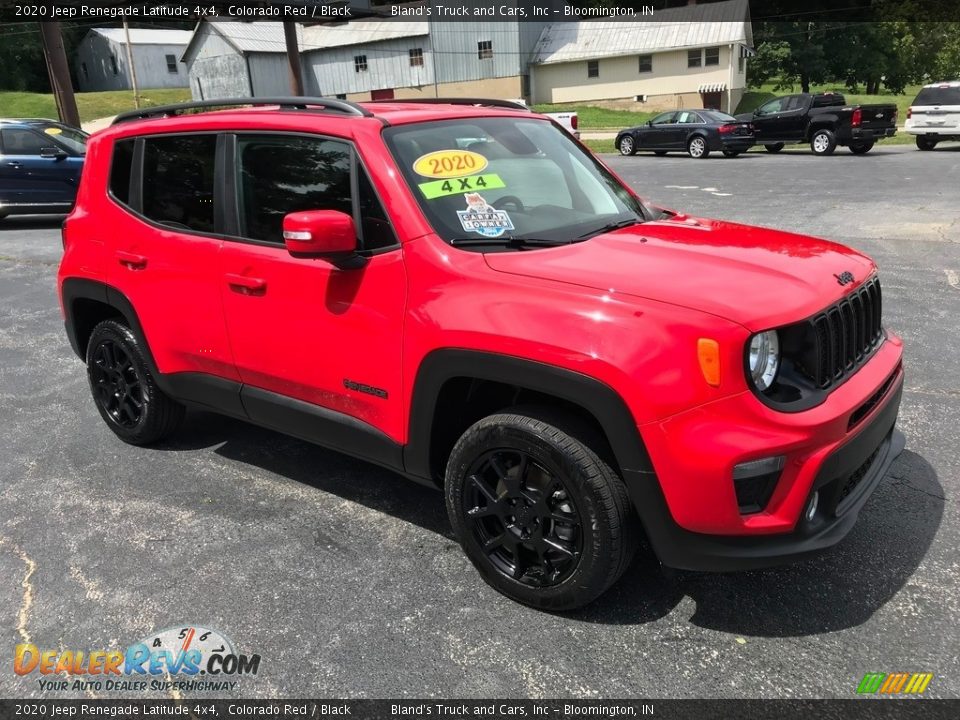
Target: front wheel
<point x="626" y="145"/>
<point x="926" y="143"/>
<point x="823" y="142"/>
<point x="774" y="148"/>
<point x="729" y="152"/>
<point x="697" y="147"/>
<point x="539" y="512"/>
<point x="861" y="148"/>
<point x="124" y="389"/>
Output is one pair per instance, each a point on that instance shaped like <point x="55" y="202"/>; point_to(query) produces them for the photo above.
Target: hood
<point x="757" y="277"/>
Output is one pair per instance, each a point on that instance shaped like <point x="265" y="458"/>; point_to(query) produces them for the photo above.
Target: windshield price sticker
<point x="454" y="186"/>
<point x="449" y="164"/>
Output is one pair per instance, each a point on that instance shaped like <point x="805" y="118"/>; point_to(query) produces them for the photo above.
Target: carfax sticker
<point x="453" y="186"/>
<point x="449" y="164"/>
<point x="479" y="217"/>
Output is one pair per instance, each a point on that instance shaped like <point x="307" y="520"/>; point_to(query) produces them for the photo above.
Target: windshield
<point x="71" y="139"/>
<point x="508" y="178"/>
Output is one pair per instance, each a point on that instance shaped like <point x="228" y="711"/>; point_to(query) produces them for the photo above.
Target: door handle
<point x="246" y="285"/>
<point x="13" y="163"/>
<point x="131" y="260"/>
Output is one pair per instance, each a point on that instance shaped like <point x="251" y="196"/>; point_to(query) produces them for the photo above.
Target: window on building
<point x="21" y="142"/>
<point x="120" y="170"/>
<point x="694" y="58"/>
<point x="179" y="170"/>
<point x="645" y="63"/>
<point x="113" y="65"/>
<point x="712" y="56"/>
<point x="484" y="49"/>
<point x="360" y="63"/>
<point x="283" y="174"/>
<point x="416" y="57"/>
<point x="740" y="64"/>
<point x="83" y="67"/>
<point x="172" y="64"/>
<point x="341" y="96"/>
<point x="593" y="68"/>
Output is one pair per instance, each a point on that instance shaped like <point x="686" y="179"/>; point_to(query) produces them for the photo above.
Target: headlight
<point x="764" y="359"/>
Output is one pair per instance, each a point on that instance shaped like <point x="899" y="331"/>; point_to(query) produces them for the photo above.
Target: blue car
<point x="40" y="163"/>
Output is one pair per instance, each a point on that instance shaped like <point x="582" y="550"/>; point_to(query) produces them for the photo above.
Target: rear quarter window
<point x="938" y="96"/>
<point x="120" y="168"/>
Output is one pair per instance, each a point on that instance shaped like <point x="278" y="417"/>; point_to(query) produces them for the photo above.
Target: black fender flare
<point x="594" y="396"/>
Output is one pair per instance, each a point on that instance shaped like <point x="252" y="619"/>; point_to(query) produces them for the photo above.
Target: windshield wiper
<point x="615" y="225"/>
<point x="507" y="240"/>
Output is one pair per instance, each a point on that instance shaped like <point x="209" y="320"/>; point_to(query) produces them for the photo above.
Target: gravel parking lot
<point x="344" y="577"/>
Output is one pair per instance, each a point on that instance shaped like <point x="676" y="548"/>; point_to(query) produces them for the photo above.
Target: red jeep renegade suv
<point x="462" y="293"/>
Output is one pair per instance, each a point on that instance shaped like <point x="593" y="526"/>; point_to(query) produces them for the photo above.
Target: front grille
<point x="846" y="333"/>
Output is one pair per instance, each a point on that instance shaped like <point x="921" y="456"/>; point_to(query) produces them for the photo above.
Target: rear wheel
<point x="823" y="142"/>
<point x="541" y="515"/>
<point x="774" y="148"/>
<point x="627" y="146"/>
<point x="729" y="152"/>
<point x="925" y="142"/>
<point x="124" y="389"/>
<point x="861" y="148"/>
<point x="697" y="147"/>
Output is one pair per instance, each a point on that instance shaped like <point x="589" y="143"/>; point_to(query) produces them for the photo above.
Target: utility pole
<point x="133" y="69"/>
<point x="59" y="73"/>
<point x="293" y="58"/>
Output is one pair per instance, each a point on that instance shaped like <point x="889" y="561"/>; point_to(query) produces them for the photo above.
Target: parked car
<point x="40" y="163"/>
<point x="511" y="324"/>
<point x="824" y="120"/>
<point x="934" y="115"/>
<point x="696" y="132"/>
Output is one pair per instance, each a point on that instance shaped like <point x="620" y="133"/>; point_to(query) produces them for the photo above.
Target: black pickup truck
<point x="824" y="120"/>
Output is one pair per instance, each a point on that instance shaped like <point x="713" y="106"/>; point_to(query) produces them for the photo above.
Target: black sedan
<point x="695" y="131"/>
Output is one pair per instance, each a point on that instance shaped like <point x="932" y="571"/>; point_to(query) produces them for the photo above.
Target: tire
<point x="529" y="475"/>
<point x="627" y="145"/>
<point x="660" y="153"/>
<point x="697" y="147"/>
<point x="124" y="390"/>
<point x="775" y="148"/>
<point x="861" y="148"/>
<point x="823" y="142"/>
<point x="924" y="142"/>
<point x="727" y="152"/>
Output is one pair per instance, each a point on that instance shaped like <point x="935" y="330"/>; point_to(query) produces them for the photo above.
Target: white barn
<point x="101" y="59"/>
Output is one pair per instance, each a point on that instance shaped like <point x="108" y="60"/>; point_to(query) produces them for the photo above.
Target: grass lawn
<point x="592" y="118"/>
<point x="91" y="105"/>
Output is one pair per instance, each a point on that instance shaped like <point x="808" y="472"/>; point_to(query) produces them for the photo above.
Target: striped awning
<point x="712" y="87"/>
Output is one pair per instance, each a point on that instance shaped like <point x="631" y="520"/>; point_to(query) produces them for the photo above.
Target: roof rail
<point x="289" y="103"/>
<point x="481" y="102"/>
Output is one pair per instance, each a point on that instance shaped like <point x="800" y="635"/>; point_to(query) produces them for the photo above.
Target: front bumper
<point x="689" y="506"/>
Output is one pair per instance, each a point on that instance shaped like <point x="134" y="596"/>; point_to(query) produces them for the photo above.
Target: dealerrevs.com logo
<point x="902" y="683"/>
<point x="187" y="657"/>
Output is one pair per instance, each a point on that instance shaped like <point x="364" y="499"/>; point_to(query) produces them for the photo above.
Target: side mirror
<point x="327" y="234"/>
<point x="649" y="123"/>
<point x="52" y="153"/>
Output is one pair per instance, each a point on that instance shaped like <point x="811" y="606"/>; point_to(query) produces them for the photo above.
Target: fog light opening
<point x="811" y="510"/>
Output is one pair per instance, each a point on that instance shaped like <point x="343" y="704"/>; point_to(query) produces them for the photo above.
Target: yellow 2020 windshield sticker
<point x="449" y="164"/>
<point x="455" y="186"/>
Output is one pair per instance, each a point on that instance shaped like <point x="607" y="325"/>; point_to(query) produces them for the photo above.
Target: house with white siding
<point x="101" y="59"/>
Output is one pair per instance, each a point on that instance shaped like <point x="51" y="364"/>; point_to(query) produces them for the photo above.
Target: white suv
<point x="934" y="115"/>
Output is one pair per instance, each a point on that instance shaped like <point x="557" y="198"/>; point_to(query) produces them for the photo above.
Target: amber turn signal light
<point x="708" y="354"/>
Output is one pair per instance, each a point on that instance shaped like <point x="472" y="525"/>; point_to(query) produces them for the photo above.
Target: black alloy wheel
<point x="523" y="517"/>
<point x="117" y="387"/>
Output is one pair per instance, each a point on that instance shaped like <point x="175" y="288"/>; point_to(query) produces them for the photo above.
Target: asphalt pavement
<point x="345" y="578"/>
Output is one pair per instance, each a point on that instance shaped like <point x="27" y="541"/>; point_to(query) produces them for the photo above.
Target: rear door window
<point x="178" y="181"/>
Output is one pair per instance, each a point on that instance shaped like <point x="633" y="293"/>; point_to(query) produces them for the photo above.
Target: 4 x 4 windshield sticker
<point x="479" y="217"/>
<point x="453" y="186"/>
<point x="449" y="164"/>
